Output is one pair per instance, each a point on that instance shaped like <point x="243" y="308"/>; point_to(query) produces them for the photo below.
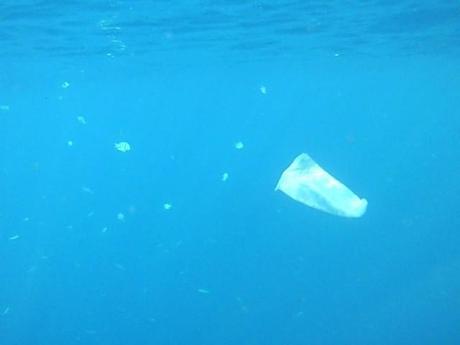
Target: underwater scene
<point x="246" y="172"/>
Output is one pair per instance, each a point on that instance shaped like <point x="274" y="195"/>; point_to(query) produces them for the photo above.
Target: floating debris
<point x="239" y="145"/>
<point x="263" y="90"/>
<point x="307" y="182"/>
<point x="6" y="311"/>
<point x="81" y="119"/>
<point x="299" y="314"/>
<point x="121" y="217"/>
<point x="4" y="107"/>
<point x="167" y="206"/>
<point x="224" y="177"/>
<point x="107" y="24"/>
<point x="204" y="291"/>
<point x="87" y="190"/>
<point x="122" y="146"/>
<point x="12" y="238"/>
<point x="119" y="266"/>
<point x="65" y="85"/>
<point x="69" y="143"/>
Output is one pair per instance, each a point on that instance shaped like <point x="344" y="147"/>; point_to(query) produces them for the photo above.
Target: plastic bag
<point x="305" y="181"/>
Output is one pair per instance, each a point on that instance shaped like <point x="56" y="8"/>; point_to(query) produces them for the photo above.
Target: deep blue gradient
<point x="369" y="89"/>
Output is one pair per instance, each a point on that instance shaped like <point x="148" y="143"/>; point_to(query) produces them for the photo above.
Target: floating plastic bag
<point x="305" y="181"/>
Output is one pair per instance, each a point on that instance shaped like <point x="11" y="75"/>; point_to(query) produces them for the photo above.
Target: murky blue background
<point x="369" y="89"/>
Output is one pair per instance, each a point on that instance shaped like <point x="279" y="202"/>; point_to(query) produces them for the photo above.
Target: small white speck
<point x="4" y="107"/>
<point x="263" y="90"/>
<point x="122" y="146"/>
<point x="12" y="238"/>
<point x="299" y="314"/>
<point x="224" y="177"/>
<point x="204" y="291"/>
<point x="87" y="190"/>
<point x="167" y="206"/>
<point x="239" y="145"/>
<point x="65" y="85"/>
<point x="119" y="266"/>
<point x="81" y="119"/>
<point x="120" y="217"/>
<point x="104" y="229"/>
<point x="69" y="143"/>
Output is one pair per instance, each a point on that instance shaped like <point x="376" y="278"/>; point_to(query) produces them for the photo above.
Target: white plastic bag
<point x="305" y="181"/>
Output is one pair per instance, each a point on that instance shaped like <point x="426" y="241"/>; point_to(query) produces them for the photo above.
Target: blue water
<point x="90" y="255"/>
